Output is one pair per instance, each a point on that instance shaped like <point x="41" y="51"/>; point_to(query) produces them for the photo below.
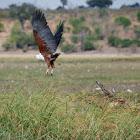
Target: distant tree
<point x="22" y="13"/>
<point x="59" y="8"/>
<point x="81" y="7"/>
<point x="136" y="5"/>
<point x="99" y="3"/>
<point x="64" y="2"/>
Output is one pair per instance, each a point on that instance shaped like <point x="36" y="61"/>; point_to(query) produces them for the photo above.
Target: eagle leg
<point x="52" y="65"/>
<point x="52" y="72"/>
<point x="47" y="71"/>
<point x="48" y="63"/>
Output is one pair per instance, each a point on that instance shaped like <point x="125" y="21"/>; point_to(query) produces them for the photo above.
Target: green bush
<point x="68" y="48"/>
<point x="77" y="25"/>
<point x="4" y="13"/>
<point x="89" y="32"/>
<point x="1" y="26"/>
<point x="90" y="38"/>
<point x="31" y="41"/>
<point x="19" y="38"/>
<point x="98" y="33"/>
<point x="75" y="22"/>
<point x="102" y="13"/>
<point x="114" y="41"/>
<point x="68" y="29"/>
<point x="136" y="42"/>
<point x="74" y="39"/>
<point x="94" y="23"/>
<point x="89" y="46"/>
<point x="24" y="49"/>
<point x="62" y="40"/>
<point x="7" y="45"/>
<point x="126" y="43"/>
<point x="82" y="18"/>
<point x="1" y="14"/>
<point x="138" y="15"/>
<point x="76" y="31"/>
<point x="137" y="31"/>
<point x="123" y="21"/>
<point x="97" y="30"/>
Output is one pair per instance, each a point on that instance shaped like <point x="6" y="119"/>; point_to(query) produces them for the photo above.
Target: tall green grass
<point x="67" y="106"/>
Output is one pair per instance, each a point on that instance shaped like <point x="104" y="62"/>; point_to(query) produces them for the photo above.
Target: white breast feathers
<point x="40" y="57"/>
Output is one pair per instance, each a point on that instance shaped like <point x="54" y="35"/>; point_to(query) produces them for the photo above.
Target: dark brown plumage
<point x="46" y="41"/>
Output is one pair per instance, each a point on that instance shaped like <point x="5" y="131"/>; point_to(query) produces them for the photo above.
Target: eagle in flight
<point x="46" y="41"/>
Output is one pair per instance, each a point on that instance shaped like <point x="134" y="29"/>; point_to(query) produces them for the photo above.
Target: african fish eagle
<point x="46" y="41"/>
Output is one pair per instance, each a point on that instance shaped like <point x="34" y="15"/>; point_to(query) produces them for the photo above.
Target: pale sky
<point x="53" y="4"/>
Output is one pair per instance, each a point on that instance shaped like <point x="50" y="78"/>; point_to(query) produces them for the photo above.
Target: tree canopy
<point x="64" y="2"/>
<point x="23" y="12"/>
<point x="99" y="3"/>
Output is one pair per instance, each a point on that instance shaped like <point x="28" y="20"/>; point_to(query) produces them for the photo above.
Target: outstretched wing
<point x="59" y="32"/>
<point x="43" y="35"/>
